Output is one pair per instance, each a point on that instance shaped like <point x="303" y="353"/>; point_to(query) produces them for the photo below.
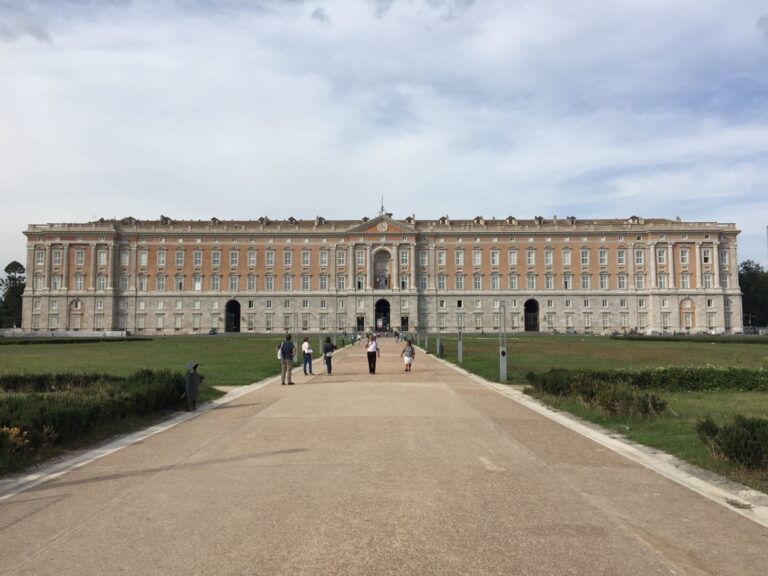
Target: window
<point x="708" y="280"/>
<point x="478" y="321"/>
<point x="602" y="257"/>
<point x="341" y="282"/>
<point x="79" y="283"/>
<point x="531" y="282"/>
<point x="269" y="282"/>
<point x="710" y="303"/>
<point x="423" y="281"/>
<point x="323" y="257"/>
<point x="723" y="257"/>
<point x="623" y="303"/>
<point x="101" y="282"/>
<point x="286" y="303"/>
<point x="549" y="282"/>
<point x="423" y="258"/>
<point x="39" y="257"/>
<point x="234" y="258"/>
<point x="550" y="303"/>
<point x="512" y="257"/>
<point x="621" y="257"/>
<point x="640" y="281"/>
<point x="706" y="256"/>
<point x="723" y="281"/>
<point x="665" y="320"/>
<point x="323" y="282"/>
<point x="234" y="282"/>
<point x="441" y="282"/>
<point x="56" y="282"/>
<point x="215" y="282"/>
<point x="160" y="258"/>
<point x="587" y="304"/>
<point x="606" y="321"/>
<point x="405" y="282"/>
<point x="441" y="257"/>
<point x="603" y="281"/>
<point x="270" y="258"/>
<point x="477" y="282"/>
<point x="684" y="256"/>
<point x="143" y="258"/>
<point x="441" y="303"/>
<point x="79" y="257"/>
<point x="567" y="281"/>
<point x="477" y="258"/>
<point x="251" y="283"/>
<point x="404" y="257"/>
<point x="179" y="258"/>
<point x="341" y="257"/>
<point x="215" y="258"/>
<point x="305" y="282"/>
<point x="459" y="257"/>
<point x="685" y="280"/>
<point x="566" y="257"/>
<point x="495" y="257"/>
<point x="662" y="279"/>
<point x="179" y="283"/>
<point x="287" y="283"/>
<point x="252" y="258"/>
<point x="179" y="305"/>
<point x="549" y="257"/>
<point x="585" y="256"/>
<point x="530" y="257"/>
<point x="305" y="258"/>
<point x="641" y="303"/>
<point x="639" y="257"/>
<point x="287" y="258"/>
<point x="661" y="256"/>
<point x="99" y="304"/>
<point x="123" y="282"/>
<point x="604" y="303"/>
<point x="622" y="281"/>
<point x="197" y="258"/>
<point x="459" y="282"/>
<point x="513" y="283"/>
<point x="495" y="282"/>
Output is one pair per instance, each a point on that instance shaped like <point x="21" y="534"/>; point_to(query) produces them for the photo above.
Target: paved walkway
<point x="421" y="473"/>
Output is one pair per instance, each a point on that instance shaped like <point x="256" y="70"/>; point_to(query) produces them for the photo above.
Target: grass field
<point x="224" y="360"/>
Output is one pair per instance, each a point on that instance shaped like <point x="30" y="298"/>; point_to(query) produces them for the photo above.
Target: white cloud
<point x="240" y="109"/>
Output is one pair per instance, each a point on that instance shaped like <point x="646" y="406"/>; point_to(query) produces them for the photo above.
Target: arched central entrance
<point x="382" y="315"/>
<point x="232" y="316"/>
<point x="531" y="315"/>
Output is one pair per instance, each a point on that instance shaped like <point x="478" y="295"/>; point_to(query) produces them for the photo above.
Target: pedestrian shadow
<point x="149" y="471"/>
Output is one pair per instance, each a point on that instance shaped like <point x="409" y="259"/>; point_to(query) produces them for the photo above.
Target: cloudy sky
<point x="241" y="109"/>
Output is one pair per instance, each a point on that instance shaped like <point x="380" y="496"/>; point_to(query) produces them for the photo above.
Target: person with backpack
<point x="286" y="352"/>
<point x="408" y="354"/>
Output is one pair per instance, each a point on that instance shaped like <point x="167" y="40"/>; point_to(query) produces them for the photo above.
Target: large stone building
<point x="169" y="276"/>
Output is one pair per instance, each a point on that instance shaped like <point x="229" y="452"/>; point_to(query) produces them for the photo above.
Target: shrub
<point x="743" y="441"/>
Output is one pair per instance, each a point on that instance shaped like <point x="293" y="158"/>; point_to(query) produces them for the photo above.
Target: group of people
<point x="286" y="353"/>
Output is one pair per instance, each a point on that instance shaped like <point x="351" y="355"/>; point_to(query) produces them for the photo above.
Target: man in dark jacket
<point x="287" y="354"/>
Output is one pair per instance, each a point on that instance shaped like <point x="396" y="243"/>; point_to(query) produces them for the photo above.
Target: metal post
<point x="503" y="345"/>
<point x="460" y="349"/>
<point x="437" y="349"/>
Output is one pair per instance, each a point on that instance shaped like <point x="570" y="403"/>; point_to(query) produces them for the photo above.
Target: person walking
<point x="328" y="349"/>
<point x="372" y="351"/>
<point x="408" y="354"/>
<point x="287" y="353"/>
<point x="306" y="351"/>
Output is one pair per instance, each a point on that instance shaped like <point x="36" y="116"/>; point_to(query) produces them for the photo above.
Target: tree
<point x="753" y="281"/>
<point x="12" y="287"/>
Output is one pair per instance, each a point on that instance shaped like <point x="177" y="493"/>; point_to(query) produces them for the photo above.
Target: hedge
<point x="58" y="409"/>
<point x="708" y="339"/>
<point x="743" y="441"/>
<point x="672" y="379"/>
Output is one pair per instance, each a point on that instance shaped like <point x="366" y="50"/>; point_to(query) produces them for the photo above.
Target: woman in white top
<point x="408" y="354"/>
<point x="306" y="350"/>
<point x="372" y="350"/>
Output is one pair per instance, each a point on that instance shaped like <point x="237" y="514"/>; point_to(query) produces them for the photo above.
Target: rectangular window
<point x="585" y="256"/>
<point x="441" y="282"/>
<point x="234" y="258"/>
<point x="79" y="282"/>
<point x="341" y="257"/>
<point x="602" y="257"/>
<point x="460" y="282"/>
<point x="251" y="286"/>
<point x="441" y="303"/>
<point x="323" y="282"/>
<point x="706" y="256"/>
<point x="179" y="283"/>
<point x="197" y="258"/>
<point x="684" y="256"/>
<point x="423" y="258"/>
<point x="549" y="257"/>
<point x="287" y="258"/>
<point x="287" y="283"/>
<point x="405" y="282"/>
<point x="125" y="258"/>
<point x="404" y="257"/>
<point x="531" y="282"/>
<point x="179" y="258"/>
<point x="269" y="282"/>
<point x="305" y="258"/>
<point x="495" y="256"/>
<point x="621" y="257"/>
<point x="252" y="258"/>
<point x="341" y="282"/>
<point x="305" y="282"/>
<point x="685" y="280"/>
<point x="622" y="283"/>
<point x="79" y="257"/>
<point x="360" y="257"/>
<point x="143" y="258"/>
<point x="662" y="280"/>
<point x="603" y="281"/>
<point x="661" y="256"/>
<point x="160" y="258"/>
<point x="323" y="258"/>
<point x="513" y="282"/>
<point x="57" y="257"/>
<point x="216" y="258"/>
<point x="477" y="282"/>
<point x="215" y="283"/>
<point x="530" y="257"/>
<point x="707" y="280"/>
<point x="549" y="282"/>
<point x="639" y="257"/>
<point x="123" y="282"/>
<point x="567" y="282"/>
<point x="585" y="281"/>
<point x="513" y="257"/>
<point x="477" y="258"/>
<point x="441" y="257"/>
<point x="160" y="283"/>
<point x="640" y="281"/>
<point x="39" y="257"/>
<point x="423" y="282"/>
<point x="459" y="257"/>
<point x="567" y="257"/>
<point x="723" y="257"/>
<point x="495" y="282"/>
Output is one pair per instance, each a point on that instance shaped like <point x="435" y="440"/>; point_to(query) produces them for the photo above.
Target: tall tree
<point x="12" y="287"/>
<point x="753" y="281"/>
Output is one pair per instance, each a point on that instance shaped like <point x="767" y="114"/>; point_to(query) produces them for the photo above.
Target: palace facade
<point x="266" y="276"/>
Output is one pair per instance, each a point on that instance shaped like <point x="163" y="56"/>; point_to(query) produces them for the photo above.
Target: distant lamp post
<point x="460" y="348"/>
<point x="503" y="343"/>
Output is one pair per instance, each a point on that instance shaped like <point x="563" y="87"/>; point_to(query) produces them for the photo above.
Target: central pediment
<point x="382" y="224"/>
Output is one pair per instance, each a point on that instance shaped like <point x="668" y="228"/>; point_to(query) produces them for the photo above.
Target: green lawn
<point x="224" y="360"/>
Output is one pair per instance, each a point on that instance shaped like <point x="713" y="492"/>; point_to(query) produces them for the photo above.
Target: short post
<point x="460" y="349"/>
<point x="502" y="344"/>
<point x="439" y="348"/>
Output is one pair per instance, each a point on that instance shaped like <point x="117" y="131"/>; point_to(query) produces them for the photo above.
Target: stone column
<point x="111" y="267"/>
<point x="135" y="269"/>
<point x="652" y="277"/>
<point x="716" y="267"/>
<point x="92" y="275"/>
<point x="47" y="267"/>
<point x="412" y="269"/>
<point x="369" y="268"/>
<point x="433" y="266"/>
<point x="351" y="268"/>
<point x="396" y="267"/>
<point x="733" y="267"/>
<point x="698" y="266"/>
<point x="631" y="266"/>
<point x="671" y="264"/>
<point x="65" y="266"/>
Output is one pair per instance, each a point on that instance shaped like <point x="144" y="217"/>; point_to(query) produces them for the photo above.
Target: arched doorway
<point x="232" y="316"/>
<point x="382" y="316"/>
<point x="531" y="315"/>
<point x="382" y="277"/>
